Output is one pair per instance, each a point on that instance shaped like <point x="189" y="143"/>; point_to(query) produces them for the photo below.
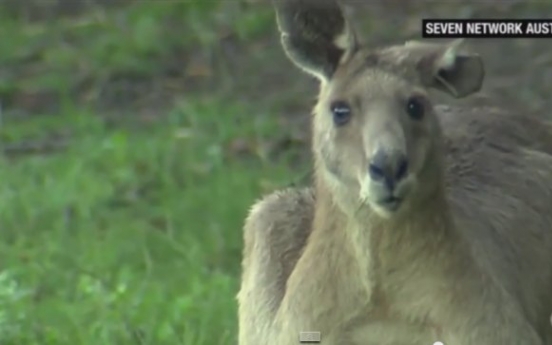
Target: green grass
<point x="61" y="53"/>
<point x="129" y="235"/>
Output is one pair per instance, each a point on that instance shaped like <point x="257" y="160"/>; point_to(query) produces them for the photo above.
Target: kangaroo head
<point x="376" y="137"/>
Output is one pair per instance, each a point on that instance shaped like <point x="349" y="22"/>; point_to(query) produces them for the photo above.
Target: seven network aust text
<point x="439" y="28"/>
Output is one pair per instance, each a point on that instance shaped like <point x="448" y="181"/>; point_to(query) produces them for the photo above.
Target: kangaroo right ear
<point x="315" y="35"/>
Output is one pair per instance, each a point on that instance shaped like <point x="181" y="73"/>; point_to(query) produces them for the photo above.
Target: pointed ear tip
<point x="460" y="41"/>
<point x="455" y="45"/>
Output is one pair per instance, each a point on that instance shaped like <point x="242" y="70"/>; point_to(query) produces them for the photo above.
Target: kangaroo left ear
<point x="450" y="70"/>
<point x="315" y="35"/>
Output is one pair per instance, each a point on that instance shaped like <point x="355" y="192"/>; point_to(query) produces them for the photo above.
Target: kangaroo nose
<point x="390" y="168"/>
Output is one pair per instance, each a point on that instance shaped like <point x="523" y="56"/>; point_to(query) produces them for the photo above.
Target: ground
<point x="137" y="134"/>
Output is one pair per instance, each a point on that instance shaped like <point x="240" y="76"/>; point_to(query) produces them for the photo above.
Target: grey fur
<point x="467" y="259"/>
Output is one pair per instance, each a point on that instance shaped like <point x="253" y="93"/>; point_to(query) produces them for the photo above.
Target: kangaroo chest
<point x="404" y="297"/>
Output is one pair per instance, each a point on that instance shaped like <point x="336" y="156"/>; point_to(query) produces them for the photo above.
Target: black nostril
<point x="402" y="169"/>
<point x="376" y="172"/>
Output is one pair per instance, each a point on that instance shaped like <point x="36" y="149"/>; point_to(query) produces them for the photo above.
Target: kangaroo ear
<point x="315" y="35"/>
<point x="446" y="68"/>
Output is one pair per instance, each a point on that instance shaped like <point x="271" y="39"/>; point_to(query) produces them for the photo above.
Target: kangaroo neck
<point x="376" y="244"/>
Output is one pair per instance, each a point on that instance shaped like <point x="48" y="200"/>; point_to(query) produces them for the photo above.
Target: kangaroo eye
<point x="415" y="108"/>
<point x="341" y="112"/>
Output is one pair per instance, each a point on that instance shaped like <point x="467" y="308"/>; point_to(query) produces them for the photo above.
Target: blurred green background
<point x="135" y="135"/>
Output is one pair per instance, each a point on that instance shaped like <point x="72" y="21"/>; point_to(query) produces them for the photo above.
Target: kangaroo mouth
<point x="391" y="203"/>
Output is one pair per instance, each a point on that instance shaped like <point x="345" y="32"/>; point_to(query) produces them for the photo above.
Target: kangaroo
<point x="424" y="222"/>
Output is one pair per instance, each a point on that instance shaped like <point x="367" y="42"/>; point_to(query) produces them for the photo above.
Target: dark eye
<point x="341" y="112"/>
<point x="415" y="108"/>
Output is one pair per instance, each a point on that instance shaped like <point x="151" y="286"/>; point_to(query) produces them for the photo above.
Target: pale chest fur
<point x="399" y="313"/>
<point x="402" y="314"/>
<point x="405" y="296"/>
